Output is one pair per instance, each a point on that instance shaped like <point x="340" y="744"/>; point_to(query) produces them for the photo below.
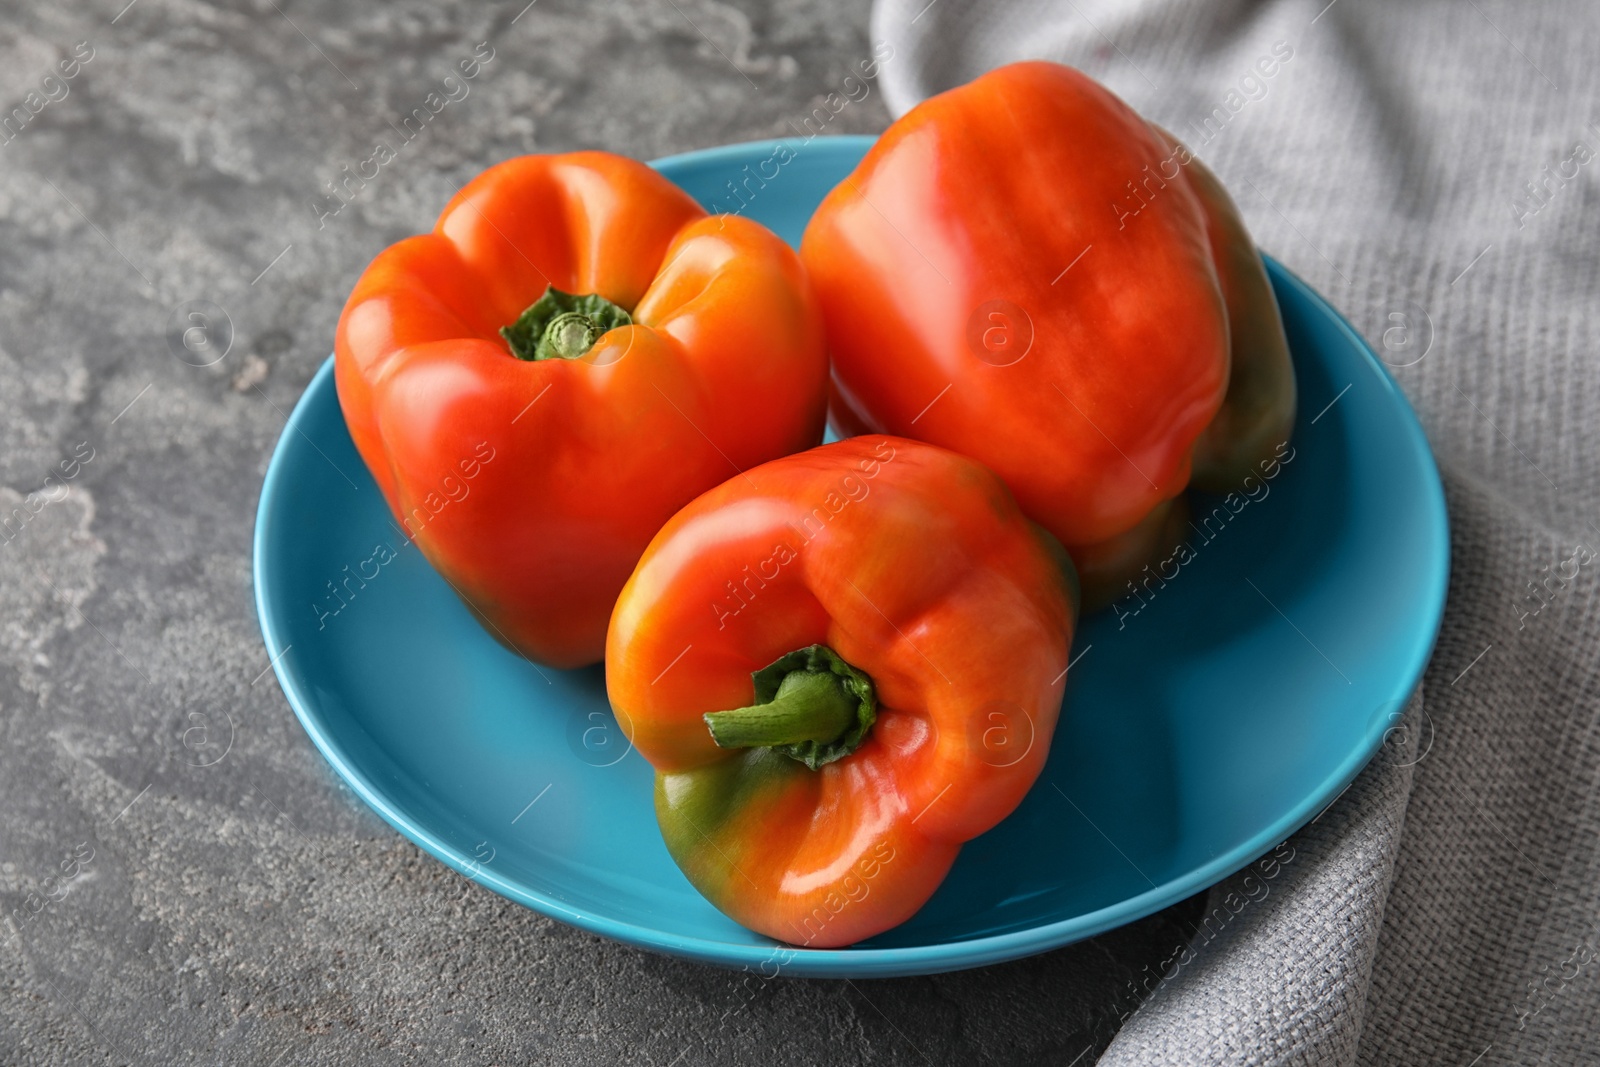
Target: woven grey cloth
<point x="1431" y="168"/>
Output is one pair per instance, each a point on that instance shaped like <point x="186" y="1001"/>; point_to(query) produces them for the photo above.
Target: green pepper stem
<point x="571" y="334"/>
<point x="807" y="707"/>
<point x="810" y="705"/>
<point x="562" y="326"/>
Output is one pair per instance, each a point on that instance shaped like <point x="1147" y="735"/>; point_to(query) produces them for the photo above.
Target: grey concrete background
<point x="183" y="879"/>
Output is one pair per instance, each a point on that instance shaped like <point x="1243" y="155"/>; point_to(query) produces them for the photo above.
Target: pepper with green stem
<point x="842" y="664"/>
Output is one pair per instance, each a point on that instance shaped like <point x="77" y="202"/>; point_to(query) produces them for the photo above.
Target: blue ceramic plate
<point x="1203" y="724"/>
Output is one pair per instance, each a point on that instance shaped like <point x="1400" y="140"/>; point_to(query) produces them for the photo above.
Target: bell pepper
<point x="575" y="352"/>
<point x="842" y="665"/>
<point x="1257" y="415"/>
<point x="1024" y="270"/>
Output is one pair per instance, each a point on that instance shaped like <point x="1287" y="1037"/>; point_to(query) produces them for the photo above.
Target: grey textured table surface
<point x="237" y="903"/>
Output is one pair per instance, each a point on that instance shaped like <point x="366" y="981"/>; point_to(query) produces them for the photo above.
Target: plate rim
<point x="857" y="962"/>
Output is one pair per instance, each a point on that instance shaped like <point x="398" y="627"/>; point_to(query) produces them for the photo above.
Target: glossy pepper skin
<point x="691" y="348"/>
<point x="943" y="606"/>
<point x="1023" y="270"/>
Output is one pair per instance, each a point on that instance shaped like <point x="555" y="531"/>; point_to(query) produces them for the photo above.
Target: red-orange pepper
<point x="843" y="664"/>
<point x="1023" y="270"/>
<point x="533" y="441"/>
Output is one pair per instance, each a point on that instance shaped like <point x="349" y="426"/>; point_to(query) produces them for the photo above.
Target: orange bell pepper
<point x="575" y="352"/>
<point x="843" y="664"/>
<point x="1023" y="270"/>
